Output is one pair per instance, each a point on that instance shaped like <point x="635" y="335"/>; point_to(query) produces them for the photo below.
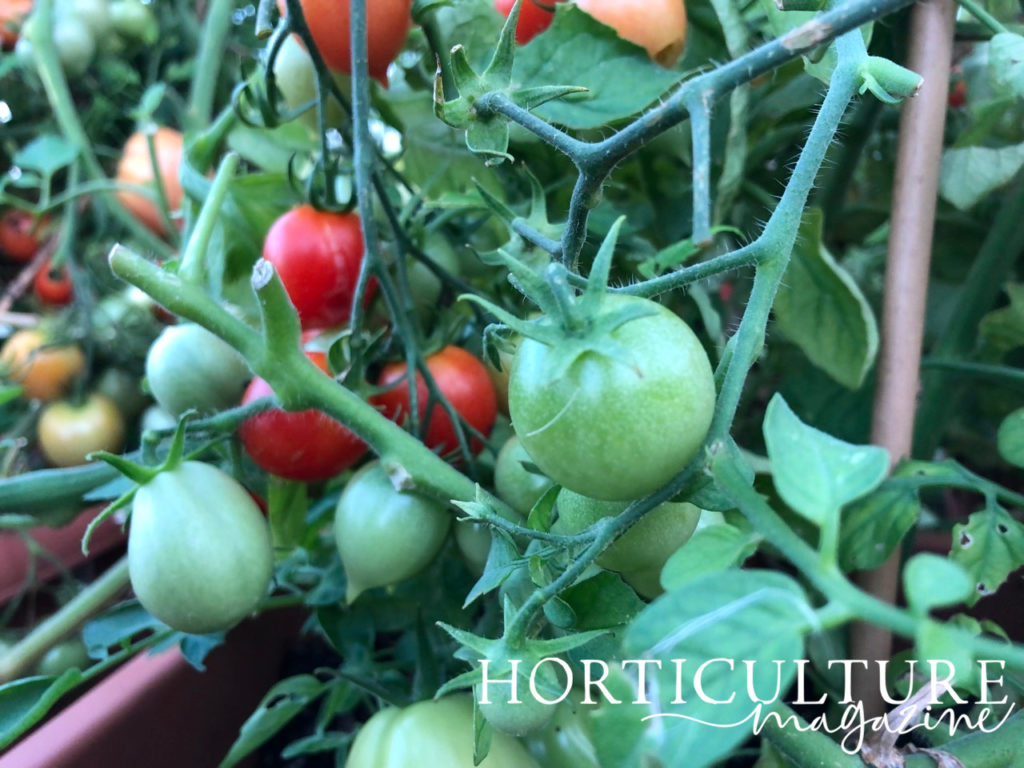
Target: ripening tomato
<point x="12" y="13"/>
<point x="43" y="372"/>
<point x="53" y="287"/>
<point x="657" y="25"/>
<point x="298" y="445"/>
<point x="68" y="432"/>
<point x="136" y="169"/>
<point x="20" y="235"/>
<point x="318" y="255"/>
<point x="387" y="26"/>
<point x="534" y="17"/>
<point x="461" y="378"/>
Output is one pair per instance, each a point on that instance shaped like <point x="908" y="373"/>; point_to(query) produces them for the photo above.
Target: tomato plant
<point x="198" y="566"/>
<point x="53" y="287"/>
<point x="384" y="535"/>
<point x="317" y="255"/>
<point x="43" y="370"/>
<point x="298" y="445"/>
<point x="188" y="367"/>
<point x="463" y="381"/>
<point x="69" y="431"/>
<point x="387" y="25"/>
<point x="394" y="738"/>
<point x="20" y="235"/>
<point x="136" y="168"/>
<point x="534" y="17"/>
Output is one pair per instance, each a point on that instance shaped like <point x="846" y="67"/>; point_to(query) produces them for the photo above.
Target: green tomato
<point x="646" y="582"/>
<point x="565" y="742"/>
<point x="645" y="546"/>
<point x="199" y="550"/>
<point x="70" y="654"/>
<point x="93" y="14"/>
<point x="188" y="367"/>
<point x="123" y="388"/>
<point x="295" y="76"/>
<point x="528" y="713"/>
<point x="615" y="429"/>
<point x="430" y="732"/>
<point x="134" y="20"/>
<point x="384" y="536"/>
<point x="474" y="542"/>
<point x="517" y="486"/>
<point x="76" y="45"/>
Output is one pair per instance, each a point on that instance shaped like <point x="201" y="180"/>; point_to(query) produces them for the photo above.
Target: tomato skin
<point x="318" y="255"/>
<point x="134" y="20"/>
<point x="645" y="546"/>
<point x="298" y="445"/>
<point x="12" y="14"/>
<point x="461" y="378"/>
<point x="657" y="25"/>
<point x="387" y="25"/>
<point x="56" y="288"/>
<point x="69" y="432"/>
<point x="384" y="536"/>
<point x="442" y="729"/>
<point x="44" y="374"/>
<point x="136" y="168"/>
<point x="514" y="484"/>
<point x="200" y="557"/>
<point x="295" y="77"/>
<point x="566" y="741"/>
<point x="189" y="367"/>
<point x="20" y="235"/>
<point x="610" y="430"/>
<point x="533" y="18"/>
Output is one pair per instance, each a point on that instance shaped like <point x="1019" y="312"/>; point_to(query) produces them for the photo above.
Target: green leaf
<point x="755" y="616"/>
<point x="287" y="504"/>
<point x="23" y="703"/>
<point x="935" y="641"/>
<point x="282" y="703"/>
<point x="932" y="581"/>
<point x="874" y="526"/>
<point x="117" y="627"/>
<point x="46" y="154"/>
<point x="8" y="394"/>
<point x="1002" y="330"/>
<point x="579" y="50"/>
<point x="1011" y="438"/>
<point x="602" y="602"/>
<point x="820" y="62"/>
<point x="711" y="549"/>
<point x="821" y="309"/>
<point x="990" y="546"/>
<point x="501" y="562"/>
<point x="1006" y="63"/>
<point x="968" y="174"/>
<point x="815" y="473"/>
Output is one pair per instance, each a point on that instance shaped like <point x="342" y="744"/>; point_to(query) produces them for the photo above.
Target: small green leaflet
<point x="990" y="546"/>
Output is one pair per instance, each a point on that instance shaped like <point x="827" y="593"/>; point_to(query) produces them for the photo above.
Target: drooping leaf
<point x="969" y="173"/>
<point x="815" y="473"/>
<point x="822" y="310"/>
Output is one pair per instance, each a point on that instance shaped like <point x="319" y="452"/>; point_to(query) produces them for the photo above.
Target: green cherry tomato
<point x="70" y="654"/>
<point x="295" y="77"/>
<point x="134" y="20"/>
<point x="518" y="718"/>
<point x="647" y="545"/>
<point x="384" y="536"/>
<point x="616" y="429"/>
<point x="431" y="732"/>
<point x="474" y="542"/>
<point x="516" y="485"/>
<point x="75" y="45"/>
<point x="566" y="741"/>
<point x="188" y="367"/>
<point x="199" y="551"/>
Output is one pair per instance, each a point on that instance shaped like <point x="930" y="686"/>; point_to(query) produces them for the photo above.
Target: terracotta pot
<point x="159" y="712"/>
<point x="64" y="543"/>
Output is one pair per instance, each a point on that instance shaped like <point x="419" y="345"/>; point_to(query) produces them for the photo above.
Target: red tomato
<point x="534" y="17"/>
<point x="387" y="26"/>
<point x="20" y="235"/>
<point x="53" y="287"/>
<point x="958" y="94"/>
<point x="461" y="378"/>
<point x="298" y="445"/>
<point x="318" y="255"/>
<point x="12" y="14"/>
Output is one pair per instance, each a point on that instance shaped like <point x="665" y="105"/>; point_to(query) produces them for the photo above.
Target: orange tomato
<point x="657" y="25"/>
<point x="12" y="14"/>
<point x="136" y="168"/>
<point x="44" y="373"/>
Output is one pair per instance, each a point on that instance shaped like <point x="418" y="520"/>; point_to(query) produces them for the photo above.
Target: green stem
<point x="1001" y="374"/>
<point x="65" y="621"/>
<point x="700" y="132"/>
<point x="193" y="261"/>
<point x="977" y="11"/>
<point x="804" y="748"/>
<point x="208" y="63"/>
<point x="997" y="749"/>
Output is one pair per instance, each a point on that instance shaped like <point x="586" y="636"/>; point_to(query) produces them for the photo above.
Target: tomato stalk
<point x="193" y="262"/>
<point x="216" y="27"/>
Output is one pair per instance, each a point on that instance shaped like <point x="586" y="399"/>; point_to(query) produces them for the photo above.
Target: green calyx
<point x="887" y="80"/>
<point x="572" y="322"/>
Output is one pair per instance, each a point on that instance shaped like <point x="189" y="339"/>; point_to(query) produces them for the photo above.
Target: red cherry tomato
<point x="461" y="378"/>
<point x="534" y="17"/>
<point x="298" y="445"/>
<point x="54" y="288"/>
<point x="958" y="94"/>
<point x="318" y="255"/>
<point x="20" y="235"/>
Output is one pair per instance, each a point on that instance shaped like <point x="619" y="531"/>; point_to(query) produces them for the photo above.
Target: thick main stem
<point x="906" y="280"/>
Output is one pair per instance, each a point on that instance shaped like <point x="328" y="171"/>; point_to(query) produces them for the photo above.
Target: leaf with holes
<point x="990" y="546"/>
<point x="759" y="617"/>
